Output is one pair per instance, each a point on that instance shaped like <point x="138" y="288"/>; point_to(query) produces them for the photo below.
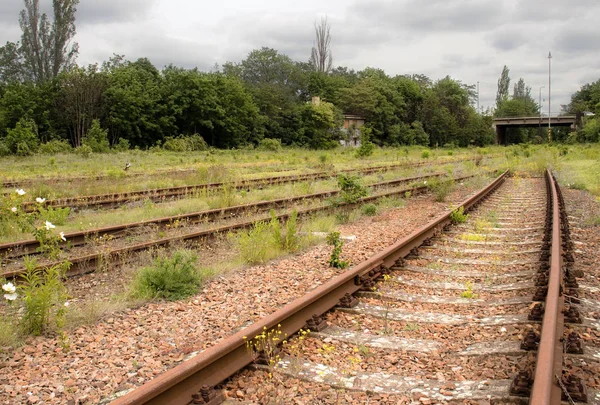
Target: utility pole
<point x="540" y="105"/>
<point x="477" y="96"/>
<point x="549" y="96"/>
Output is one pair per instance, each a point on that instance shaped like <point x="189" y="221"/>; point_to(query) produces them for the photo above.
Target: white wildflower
<point x="62" y="236"/>
<point x="14" y="209"/>
<point x="40" y="200"/>
<point x="66" y="303"/>
<point x="49" y="225"/>
<point x="425" y="182"/>
<point x="11" y="297"/>
<point x="9" y="287"/>
<point x="20" y="191"/>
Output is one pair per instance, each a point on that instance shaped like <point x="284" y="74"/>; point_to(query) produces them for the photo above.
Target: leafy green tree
<point x="503" y="85"/>
<point x="97" y="138"/>
<point x="11" y="64"/>
<point x="46" y="47"/>
<point x="23" y="139"/>
<point x="586" y="99"/>
<point x="319" y="126"/>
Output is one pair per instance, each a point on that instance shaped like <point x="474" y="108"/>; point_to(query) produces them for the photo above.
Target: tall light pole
<point x="549" y="95"/>
<point x="540" y="105"/>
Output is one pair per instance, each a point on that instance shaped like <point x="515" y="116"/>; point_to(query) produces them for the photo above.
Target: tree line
<point x="48" y="101"/>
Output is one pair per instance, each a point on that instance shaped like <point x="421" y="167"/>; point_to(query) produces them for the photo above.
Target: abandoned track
<point x="113" y="200"/>
<point x="441" y="322"/>
<point x="90" y="262"/>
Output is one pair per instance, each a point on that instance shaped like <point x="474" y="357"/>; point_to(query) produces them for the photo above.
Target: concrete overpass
<point x="501" y="124"/>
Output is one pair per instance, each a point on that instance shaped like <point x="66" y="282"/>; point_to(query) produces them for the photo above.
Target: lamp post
<point x="549" y="95"/>
<point x="540" y="105"/>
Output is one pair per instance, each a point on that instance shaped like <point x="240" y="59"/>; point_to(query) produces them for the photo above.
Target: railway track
<point x="85" y="263"/>
<point x="156" y="195"/>
<point x="447" y="314"/>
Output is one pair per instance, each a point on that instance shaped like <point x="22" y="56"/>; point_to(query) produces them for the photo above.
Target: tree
<point x="586" y="99"/>
<point x="321" y="58"/>
<point x="47" y="48"/>
<point x="503" y="85"/>
<point x="11" y="64"/>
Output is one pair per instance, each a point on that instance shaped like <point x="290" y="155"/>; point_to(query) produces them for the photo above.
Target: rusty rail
<point x="24" y="247"/>
<point x="214" y="365"/>
<point x="546" y="389"/>
<point x="88" y="263"/>
<point x="117" y="199"/>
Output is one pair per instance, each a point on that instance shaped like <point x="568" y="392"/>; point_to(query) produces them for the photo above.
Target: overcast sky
<point x="470" y="40"/>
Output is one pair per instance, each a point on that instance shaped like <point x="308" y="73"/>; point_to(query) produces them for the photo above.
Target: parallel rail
<point x="88" y="263"/>
<point x="117" y="199"/>
<point x="209" y="368"/>
<point x="26" y="247"/>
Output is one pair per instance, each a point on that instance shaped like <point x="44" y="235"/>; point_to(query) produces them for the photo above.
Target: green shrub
<point x="84" y="151"/>
<point x="441" y="188"/>
<point x="58" y="216"/>
<point x="44" y="296"/>
<point x="185" y="143"/>
<point x="333" y="239"/>
<point x="366" y="147"/>
<point x="4" y="149"/>
<point x="369" y="209"/>
<point x="196" y="143"/>
<point x="458" y="216"/>
<point x="171" y="278"/>
<point x="96" y="138"/>
<point x="122" y="146"/>
<point x="351" y="189"/>
<point x="270" y="144"/>
<point x="55" y="146"/>
<point x="425" y="154"/>
<point x="23" y="139"/>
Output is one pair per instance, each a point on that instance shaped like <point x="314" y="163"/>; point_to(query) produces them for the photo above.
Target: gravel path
<point x="128" y="348"/>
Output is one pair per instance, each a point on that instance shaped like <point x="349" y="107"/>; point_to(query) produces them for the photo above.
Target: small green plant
<point x="412" y="327"/>
<point x="334" y="239"/>
<point x="171" y="278"/>
<point x="458" y="216"/>
<point x="366" y="147"/>
<point x="369" y="209"/>
<point x="58" y="216"/>
<point x="425" y="154"/>
<point x="468" y="293"/>
<point x="264" y="347"/>
<point x="472" y="237"/>
<point x="44" y="296"/>
<point x="407" y="195"/>
<point x="351" y="189"/>
<point x="270" y="144"/>
<point x="441" y="188"/>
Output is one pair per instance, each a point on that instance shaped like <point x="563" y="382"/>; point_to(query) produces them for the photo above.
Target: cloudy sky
<point x="469" y="40"/>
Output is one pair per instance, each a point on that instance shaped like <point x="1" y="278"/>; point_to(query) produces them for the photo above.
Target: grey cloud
<point x="507" y="40"/>
<point x="111" y="11"/>
<point x="433" y="15"/>
<point x="577" y="39"/>
<point x="553" y="10"/>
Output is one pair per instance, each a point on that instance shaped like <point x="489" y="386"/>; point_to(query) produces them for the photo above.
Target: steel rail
<point x="88" y="263"/>
<point x="214" y="365"/>
<point x="545" y="390"/>
<point x="24" y="247"/>
<point x="21" y="182"/>
<point x="117" y="199"/>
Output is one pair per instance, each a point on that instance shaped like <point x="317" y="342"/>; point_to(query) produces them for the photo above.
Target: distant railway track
<point x="521" y="289"/>
<point x="89" y="262"/>
<point x="156" y="195"/>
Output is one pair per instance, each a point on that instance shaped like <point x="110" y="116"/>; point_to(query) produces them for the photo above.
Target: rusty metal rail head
<point x="546" y="389"/>
<point x="219" y="362"/>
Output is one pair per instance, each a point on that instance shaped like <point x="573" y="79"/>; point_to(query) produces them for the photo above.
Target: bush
<point x="84" y="151"/>
<point x="458" y="216"/>
<point x="441" y="188"/>
<point x="366" y="147"/>
<point x="58" y="216"/>
<point x="185" y="143"/>
<point x="171" y="278"/>
<point x="270" y="144"/>
<point x="4" y="150"/>
<point x="333" y="239"/>
<point x="44" y="295"/>
<point x="425" y="154"/>
<point x="351" y="188"/>
<point x="96" y="138"/>
<point x="122" y="146"/>
<point x="369" y="209"/>
<point x="55" y="146"/>
<point x="23" y="139"/>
